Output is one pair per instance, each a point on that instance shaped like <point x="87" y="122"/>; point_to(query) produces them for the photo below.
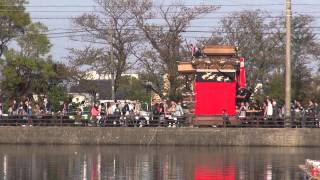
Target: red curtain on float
<point x="207" y="173"/>
<point x="242" y="75"/>
<point x="211" y="98"/>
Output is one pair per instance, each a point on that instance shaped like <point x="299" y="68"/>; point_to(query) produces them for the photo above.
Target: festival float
<point x="311" y="168"/>
<point x="211" y="85"/>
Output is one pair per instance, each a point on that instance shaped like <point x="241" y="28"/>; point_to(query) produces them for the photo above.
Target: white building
<point x="79" y="97"/>
<point x="93" y="75"/>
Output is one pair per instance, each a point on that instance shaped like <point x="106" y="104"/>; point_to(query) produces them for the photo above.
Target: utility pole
<point x="288" y="65"/>
<point x="112" y="69"/>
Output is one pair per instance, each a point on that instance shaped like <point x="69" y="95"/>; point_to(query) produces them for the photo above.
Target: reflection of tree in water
<point x="122" y="162"/>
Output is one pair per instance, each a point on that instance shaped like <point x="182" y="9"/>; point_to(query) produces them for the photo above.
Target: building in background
<point x="94" y="75"/>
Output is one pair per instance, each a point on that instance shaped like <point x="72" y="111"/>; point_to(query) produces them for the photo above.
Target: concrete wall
<point x="160" y="136"/>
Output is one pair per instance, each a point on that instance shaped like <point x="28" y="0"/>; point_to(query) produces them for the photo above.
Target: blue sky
<point x="60" y="25"/>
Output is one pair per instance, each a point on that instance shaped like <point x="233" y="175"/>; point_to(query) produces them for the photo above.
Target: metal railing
<point x="253" y="121"/>
<point x="103" y="121"/>
<point x="272" y="122"/>
<point x="41" y="120"/>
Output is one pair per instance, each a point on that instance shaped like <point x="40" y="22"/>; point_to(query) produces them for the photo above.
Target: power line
<point x="176" y="5"/>
<point x="85" y="33"/>
<point x="157" y="18"/>
<point x="161" y="18"/>
<point x="79" y="35"/>
<point x="134" y="28"/>
<point x="93" y="11"/>
<point x="166" y="26"/>
<point x="189" y="28"/>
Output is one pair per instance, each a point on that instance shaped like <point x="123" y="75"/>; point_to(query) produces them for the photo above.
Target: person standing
<point x="10" y="111"/>
<point x="178" y="114"/>
<point x="103" y="109"/>
<point x="48" y="108"/>
<point x="298" y="114"/>
<point x="81" y="107"/>
<point x="109" y="109"/>
<point x="171" y="113"/>
<point x="275" y="113"/>
<point x="64" y="108"/>
<point x="29" y="112"/>
<point x="117" y="111"/>
<point x="135" y="108"/>
<point x="1" y="109"/>
<point x="316" y="112"/>
<point x="310" y="113"/>
<point x="242" y="110"/>
<point x="269" y="109"/>
<point x="94" y="114"/>
<point x="21" y="109"/>
<point x="172" y="109"/>
<point x="179" y="110"/>
<point x="125" y="109"/>
<point x="29" y="108"/>
<point x="15" y="108"/>
<point x="161" y="109"/>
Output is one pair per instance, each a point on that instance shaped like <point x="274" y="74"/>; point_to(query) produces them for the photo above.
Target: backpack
<point x="117" y="111"/>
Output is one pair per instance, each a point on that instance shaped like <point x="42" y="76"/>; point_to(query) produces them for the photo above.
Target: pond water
<point x="146" y="163"/>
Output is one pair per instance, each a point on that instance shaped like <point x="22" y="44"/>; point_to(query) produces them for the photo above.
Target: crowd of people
<point x="29" y="108"/>
<point x="21" y="108"/>
<point x="108" y="108"/>
<point x="96" y="112"/>
<point x="270" y="109"/>
<point x="167" y="108"/>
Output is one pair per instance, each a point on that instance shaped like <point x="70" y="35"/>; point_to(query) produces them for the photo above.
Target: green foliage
<point x="275" y="88"/>
<point x="56" y="95"/>
<point x="35" y="43"/>
<point x="29" y="70"/>
<point x="13" y="20"/>
<point x="132" y="89"/>
<point x="305" y="49"/>
<point x="262" y="42"/>
<point x="314" y="90"/>
<point x="23" y="75"/>
<point x="262" y="51"/>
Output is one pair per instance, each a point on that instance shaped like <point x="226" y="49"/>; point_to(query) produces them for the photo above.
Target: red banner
<point x="242" y="75"/>
<point x="212" y="98"/>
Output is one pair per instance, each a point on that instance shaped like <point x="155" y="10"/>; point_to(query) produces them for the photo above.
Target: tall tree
<point x="260" y="39"/>
<point x="80" y="61"/>
<point x="132" y="89"/>
<point x="305" y="52"/>
<point x="165" y="36"/>
<point x="28" y="71"/>
<point x="112" y="26"/>
<point x="13" y="20"/>
<point x="34" y="43"/>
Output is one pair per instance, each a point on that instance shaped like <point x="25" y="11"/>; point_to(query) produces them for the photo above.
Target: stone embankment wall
<point x="161" y="136"/>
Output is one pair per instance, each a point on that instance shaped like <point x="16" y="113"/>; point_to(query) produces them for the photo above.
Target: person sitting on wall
<point x="195" y="52"/>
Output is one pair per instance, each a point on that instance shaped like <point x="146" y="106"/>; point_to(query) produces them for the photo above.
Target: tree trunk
<point x="173" y="80"/>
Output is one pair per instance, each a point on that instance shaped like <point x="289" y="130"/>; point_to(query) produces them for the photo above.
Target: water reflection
<point x="145" y="163"/>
